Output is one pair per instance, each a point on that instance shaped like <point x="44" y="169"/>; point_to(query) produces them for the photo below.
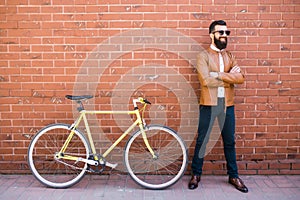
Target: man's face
<point x="219" y="36"/>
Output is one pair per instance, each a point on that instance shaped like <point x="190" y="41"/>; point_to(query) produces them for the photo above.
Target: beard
<point x="219" y="44"/>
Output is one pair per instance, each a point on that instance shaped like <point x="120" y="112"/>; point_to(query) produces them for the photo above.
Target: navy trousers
<point x="226" y="120"/>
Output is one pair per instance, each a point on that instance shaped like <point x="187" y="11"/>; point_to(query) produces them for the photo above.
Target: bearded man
<point x="218" y="72"/>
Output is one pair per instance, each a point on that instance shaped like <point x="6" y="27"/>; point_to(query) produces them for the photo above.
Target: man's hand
<point x="214" y="74"/>
<point x="235" y="69"/>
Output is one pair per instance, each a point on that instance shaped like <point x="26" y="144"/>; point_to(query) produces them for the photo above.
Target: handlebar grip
<point x="142" y="100"/>
<point x="146" y="101"/>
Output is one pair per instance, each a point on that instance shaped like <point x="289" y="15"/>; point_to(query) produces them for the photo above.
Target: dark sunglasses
<point x="222" y="32"/>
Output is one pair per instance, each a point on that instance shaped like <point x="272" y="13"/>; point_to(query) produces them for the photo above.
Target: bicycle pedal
<point x="111" y="165"/>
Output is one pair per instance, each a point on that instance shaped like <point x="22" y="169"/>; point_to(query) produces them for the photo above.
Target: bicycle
<point x="59" y="155"/>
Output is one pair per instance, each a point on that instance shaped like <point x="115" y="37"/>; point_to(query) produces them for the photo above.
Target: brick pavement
<point x="115" y="187"/>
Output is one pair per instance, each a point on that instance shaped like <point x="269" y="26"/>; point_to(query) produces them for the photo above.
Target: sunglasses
<point x="221" y="32"/>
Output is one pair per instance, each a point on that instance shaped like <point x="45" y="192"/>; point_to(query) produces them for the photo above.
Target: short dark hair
<point x="215" y="23"/>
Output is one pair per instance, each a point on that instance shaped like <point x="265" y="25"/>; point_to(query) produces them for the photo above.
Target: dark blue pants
<point x="226" y="120"/>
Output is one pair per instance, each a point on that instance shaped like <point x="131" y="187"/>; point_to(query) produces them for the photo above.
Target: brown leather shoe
<point x="238" y="184"/>
<point x="193" y="184"/>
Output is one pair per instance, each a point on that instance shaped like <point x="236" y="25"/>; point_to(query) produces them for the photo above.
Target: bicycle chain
<point x="72" y="166"/>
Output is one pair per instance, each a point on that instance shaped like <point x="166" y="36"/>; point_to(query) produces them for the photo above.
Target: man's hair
<point x="215" y="23"/>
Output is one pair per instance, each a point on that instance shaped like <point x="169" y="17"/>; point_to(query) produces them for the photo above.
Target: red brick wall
<point x="45" y="43"/>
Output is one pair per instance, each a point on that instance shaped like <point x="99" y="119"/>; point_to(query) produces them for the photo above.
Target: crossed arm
<point x="234" y="76"/>
<point x="218" y="79"/>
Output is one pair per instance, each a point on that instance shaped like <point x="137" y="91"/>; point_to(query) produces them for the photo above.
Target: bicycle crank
<point x="99" y="161"/>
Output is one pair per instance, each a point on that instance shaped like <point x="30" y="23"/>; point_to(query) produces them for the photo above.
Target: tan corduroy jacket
<point x="208" y="61"/>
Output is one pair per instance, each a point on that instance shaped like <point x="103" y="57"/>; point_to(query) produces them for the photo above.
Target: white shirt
<point x="221" y="90"/>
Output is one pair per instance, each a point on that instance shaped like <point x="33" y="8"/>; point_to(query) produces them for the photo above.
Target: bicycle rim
<point x="158" y="173"/>
<point x="52" y="172"/>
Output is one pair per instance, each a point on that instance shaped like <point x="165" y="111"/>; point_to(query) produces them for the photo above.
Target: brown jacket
<point x="208" y="61"/>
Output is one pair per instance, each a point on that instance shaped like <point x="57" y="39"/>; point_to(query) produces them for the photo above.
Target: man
<point x="217" y="72"/>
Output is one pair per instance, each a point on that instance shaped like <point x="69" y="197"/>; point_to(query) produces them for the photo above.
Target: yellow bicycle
<point x="59" y="155"/>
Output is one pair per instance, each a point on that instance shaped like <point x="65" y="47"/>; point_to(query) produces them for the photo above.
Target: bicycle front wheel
<point x="52" y="171"/>
<point x="160" y="172"/>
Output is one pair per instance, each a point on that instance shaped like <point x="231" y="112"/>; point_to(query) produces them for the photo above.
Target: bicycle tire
<point x="158" y="173"/>
<point x="49" y="170"/>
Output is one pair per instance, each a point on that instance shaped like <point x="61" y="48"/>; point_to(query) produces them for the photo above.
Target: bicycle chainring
<point x="101" y="164"/>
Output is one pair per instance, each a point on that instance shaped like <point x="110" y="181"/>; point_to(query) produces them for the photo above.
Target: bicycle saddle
<point x="78" y="98"/>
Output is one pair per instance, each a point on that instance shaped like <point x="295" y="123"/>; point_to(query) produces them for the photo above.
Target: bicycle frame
<point x="82" y="116"/>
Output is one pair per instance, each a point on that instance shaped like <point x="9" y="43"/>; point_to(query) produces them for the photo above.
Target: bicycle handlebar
<point x="140" y="100"/>
<point x="143" y="101"/>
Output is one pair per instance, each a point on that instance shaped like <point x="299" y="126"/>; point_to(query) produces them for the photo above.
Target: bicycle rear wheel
<point x="163" y="171"/>
<point x="49" y="170"/>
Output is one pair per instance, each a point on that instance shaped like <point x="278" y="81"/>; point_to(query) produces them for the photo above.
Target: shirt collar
<point x="213" y="47"/>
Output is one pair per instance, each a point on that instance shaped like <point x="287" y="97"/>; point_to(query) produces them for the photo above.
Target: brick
<point x="272" y="142"/>
<point x="10" y="25"/>
<point x="279" y="165"/>
<point x="268" y="172"/>
<point x="293" y="143"/>
<point x="17" y="2"/>
<point x="287" y="150"/>
<point x="296" y="166"/>
<point x="257" y="143"/>
<point x="50" y="9"/>
<point x="257" y="166"/>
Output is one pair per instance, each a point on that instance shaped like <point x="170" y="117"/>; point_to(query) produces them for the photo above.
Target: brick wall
<point x="44" y="45"/>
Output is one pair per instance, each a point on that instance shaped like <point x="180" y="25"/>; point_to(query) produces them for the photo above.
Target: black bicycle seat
<point x="78" y="98"/>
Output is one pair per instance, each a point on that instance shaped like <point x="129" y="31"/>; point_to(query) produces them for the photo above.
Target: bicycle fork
<point x="144" y="135"/>
<point x="142" y="125"/>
